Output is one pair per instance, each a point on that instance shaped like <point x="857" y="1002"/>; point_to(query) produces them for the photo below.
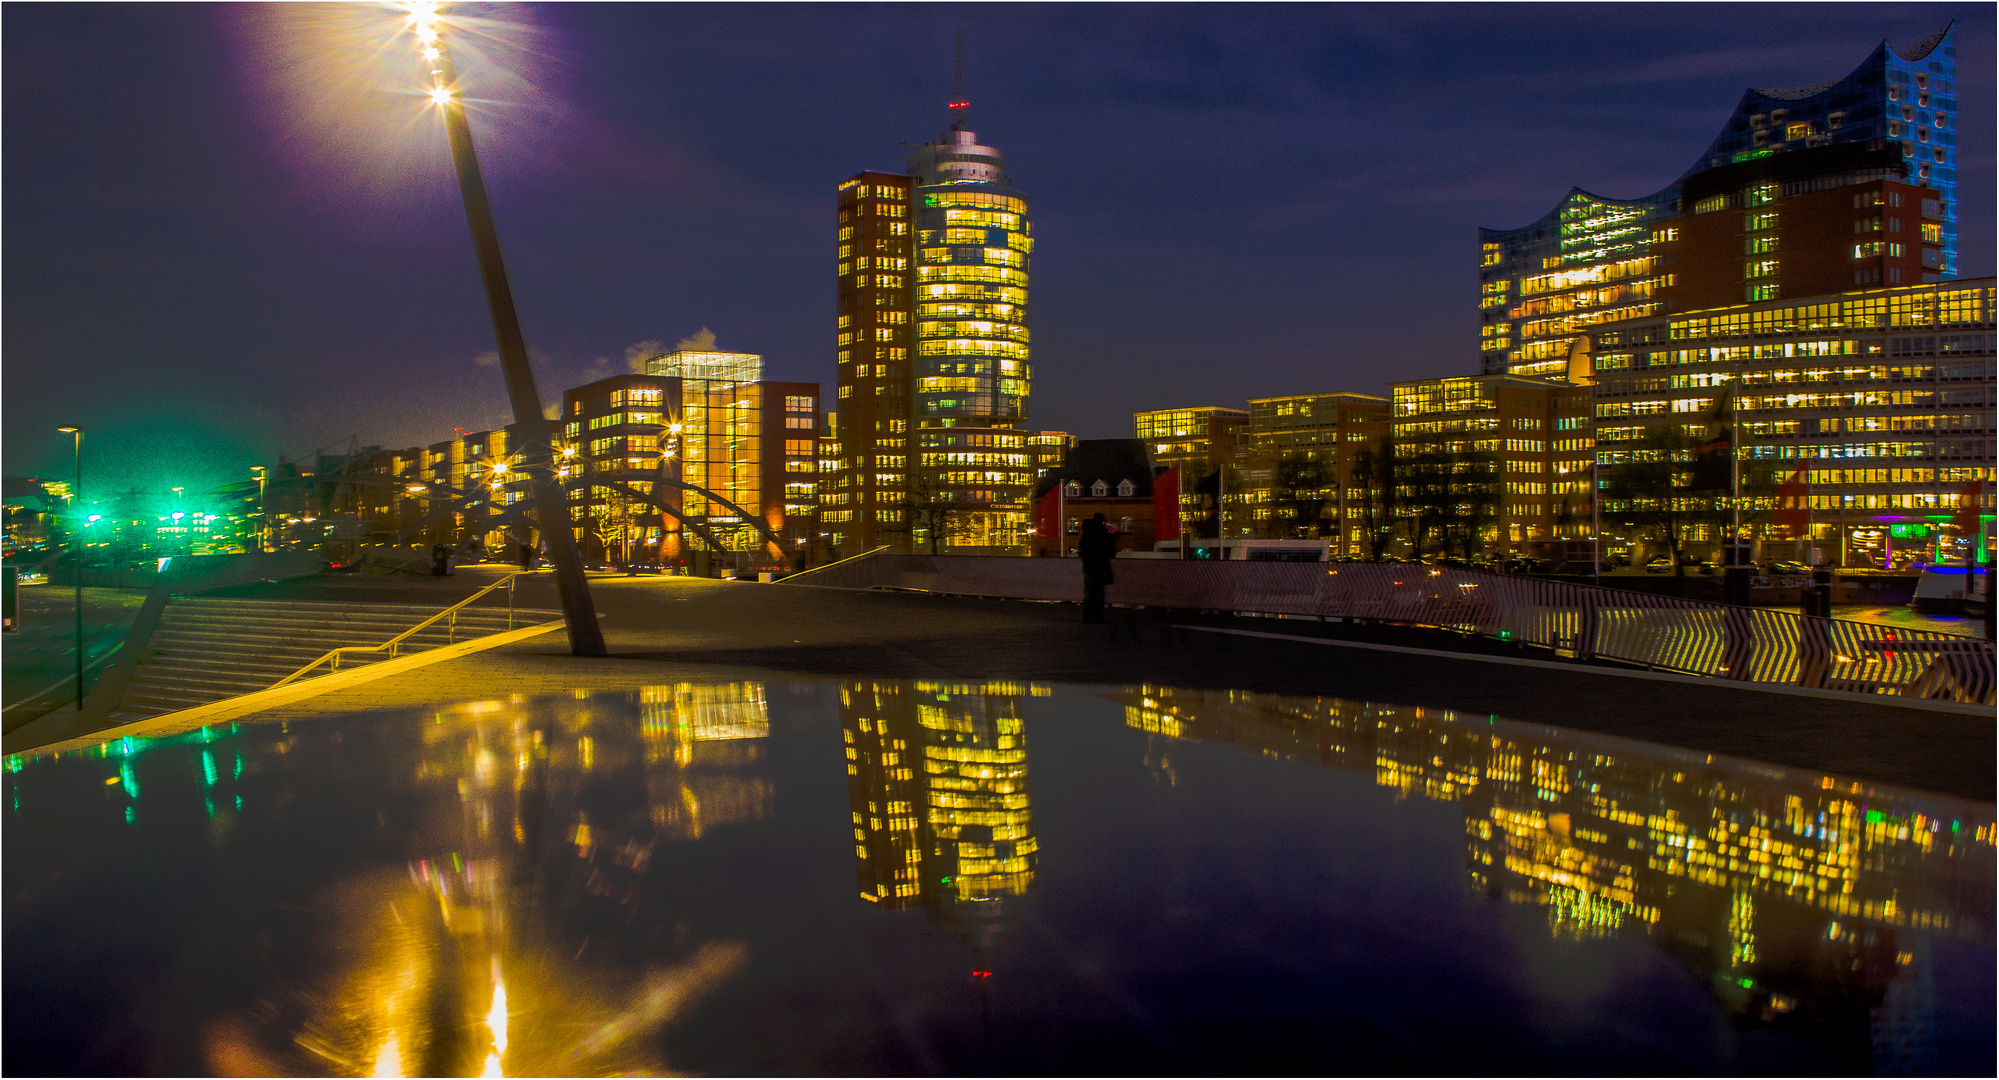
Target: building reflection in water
<point x="1797" y="897"/>
<point x="937" y="785"/>
<point x="507" y="946"/>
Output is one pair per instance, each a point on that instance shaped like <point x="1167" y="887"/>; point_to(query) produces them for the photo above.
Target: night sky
<point x="227" y="235"/>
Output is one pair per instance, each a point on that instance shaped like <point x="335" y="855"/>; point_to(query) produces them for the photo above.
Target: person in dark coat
<point x="1097" y="547"/>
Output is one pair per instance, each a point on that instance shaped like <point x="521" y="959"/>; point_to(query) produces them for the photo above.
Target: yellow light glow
<point x="430" y="54"/>
<point x="496" y="1018"/>
<point x="389" y="1060"/>
<point x="440" y="95"/>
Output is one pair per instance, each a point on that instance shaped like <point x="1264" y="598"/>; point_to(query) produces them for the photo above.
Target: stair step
<point x="209" y="650"/>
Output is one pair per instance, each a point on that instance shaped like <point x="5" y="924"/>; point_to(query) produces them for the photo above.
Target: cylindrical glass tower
<point x="971" y="286"/>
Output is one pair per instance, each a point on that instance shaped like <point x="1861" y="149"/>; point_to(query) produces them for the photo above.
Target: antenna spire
<point x="958" y="102"/>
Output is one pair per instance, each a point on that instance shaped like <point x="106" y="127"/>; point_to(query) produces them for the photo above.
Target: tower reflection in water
<point x="506" y="948"/>
<point x="937" y="786"/>
<point x="1798" y="898"/>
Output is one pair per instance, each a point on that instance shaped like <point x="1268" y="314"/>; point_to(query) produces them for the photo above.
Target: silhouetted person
<point x="1097" y="548"/>
<point x="527" y="556"/>
<point x="440" y="560"/>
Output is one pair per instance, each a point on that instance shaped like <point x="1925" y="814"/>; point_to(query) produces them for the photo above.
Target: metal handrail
<point x="876" y="550"/>
<point x="394" y="644"/>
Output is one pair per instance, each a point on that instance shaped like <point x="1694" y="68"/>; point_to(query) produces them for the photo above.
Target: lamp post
<point x="262" y="513"/>
<point x="551" y="507"/>
<point x="76" y="498"/>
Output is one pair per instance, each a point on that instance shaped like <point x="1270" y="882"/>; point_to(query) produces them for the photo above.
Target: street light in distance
<point x="76" y="494"/>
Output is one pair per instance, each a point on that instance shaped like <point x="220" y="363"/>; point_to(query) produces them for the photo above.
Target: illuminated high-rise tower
<point x="933" y="355"/>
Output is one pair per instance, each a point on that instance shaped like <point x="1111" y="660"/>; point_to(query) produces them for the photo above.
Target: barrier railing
<point x="1660" y="632"/>
<point x="393" y="646"/>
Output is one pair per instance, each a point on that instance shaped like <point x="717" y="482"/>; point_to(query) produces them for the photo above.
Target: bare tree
<point x="1373" y="473"/>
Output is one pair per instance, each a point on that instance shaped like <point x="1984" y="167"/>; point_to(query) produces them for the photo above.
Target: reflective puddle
<point x="910" y="877"/>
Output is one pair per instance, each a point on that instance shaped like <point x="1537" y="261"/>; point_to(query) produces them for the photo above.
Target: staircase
<point x="207" y="650"/>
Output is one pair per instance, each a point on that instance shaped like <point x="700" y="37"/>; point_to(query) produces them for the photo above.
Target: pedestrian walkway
<point x="663" y="630"/>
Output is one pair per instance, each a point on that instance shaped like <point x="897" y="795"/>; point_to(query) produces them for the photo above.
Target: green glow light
<point x="210" y="805"/>
<point x="1874" y="817"/>
<point x="208" y="773"/>
<point x="131" y="781"/>
<point x="131" y="815"/>
<point x="14" y="763"/>
<point x="239" y="802"/>
<point x="1746" y="983"/>
<point x="237" y="774"/>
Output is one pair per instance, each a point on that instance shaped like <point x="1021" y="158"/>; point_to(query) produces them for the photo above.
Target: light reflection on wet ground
<point x="897" y="877"/>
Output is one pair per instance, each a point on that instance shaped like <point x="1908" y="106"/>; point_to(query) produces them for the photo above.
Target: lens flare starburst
<point x="354" y="88"/>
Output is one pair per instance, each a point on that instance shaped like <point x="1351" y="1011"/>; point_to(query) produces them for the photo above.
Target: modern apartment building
<point x="934" y="367"/>
<point x="1762" y="214"/>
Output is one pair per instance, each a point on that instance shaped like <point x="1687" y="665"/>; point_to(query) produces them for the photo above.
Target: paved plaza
<point x="671" y="629"/>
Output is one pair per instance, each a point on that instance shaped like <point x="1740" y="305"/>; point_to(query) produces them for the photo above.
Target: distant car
<point x="1659" y="564"/>
<point x="1785" y="568"/>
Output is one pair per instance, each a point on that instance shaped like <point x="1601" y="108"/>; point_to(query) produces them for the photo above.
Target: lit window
<point x="1125" y="488"/>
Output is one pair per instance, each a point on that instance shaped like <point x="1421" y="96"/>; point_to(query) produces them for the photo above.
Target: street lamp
<point x="76" y="494"/>
<point x="551" y="507"/>
<point x="263" y="512"/>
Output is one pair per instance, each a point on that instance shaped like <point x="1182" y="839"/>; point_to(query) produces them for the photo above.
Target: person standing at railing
<point x="1097" y="547"/>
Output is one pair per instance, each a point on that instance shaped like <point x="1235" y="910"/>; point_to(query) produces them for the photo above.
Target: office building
<point x="730" y="453"/>
<point x="1883" y="396"/>
<point x="1764" y="213"/>
<point x="707" y="420"/>
<point x="1304" y="447"/>
<point x="1197" y="441"/>
<point x="934" y="366"/>
<point x="1474" y="467"/>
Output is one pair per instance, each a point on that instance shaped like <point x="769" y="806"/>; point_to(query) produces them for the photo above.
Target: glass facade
<point x="1593" y="261"/>
<point x="934" y="357"/>
<point x="1883" y="397"/>
<point x="1304" y="449"/>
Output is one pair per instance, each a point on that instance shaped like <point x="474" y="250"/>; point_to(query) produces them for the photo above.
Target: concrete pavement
<point x="663" y="630"/>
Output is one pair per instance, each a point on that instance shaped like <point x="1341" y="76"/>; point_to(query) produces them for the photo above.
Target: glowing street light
<point x="551" y="507"/>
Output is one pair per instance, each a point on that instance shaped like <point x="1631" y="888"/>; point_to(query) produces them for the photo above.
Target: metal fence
<point x="1660" y="632"/>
